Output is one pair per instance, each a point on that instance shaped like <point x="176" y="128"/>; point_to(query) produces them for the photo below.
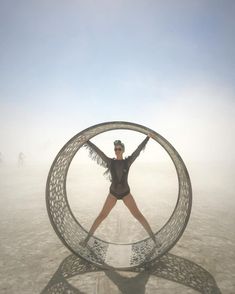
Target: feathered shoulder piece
<point x="97" y="155"/>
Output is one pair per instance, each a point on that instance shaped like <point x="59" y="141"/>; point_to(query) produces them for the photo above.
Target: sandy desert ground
<point x="32" y="254"/>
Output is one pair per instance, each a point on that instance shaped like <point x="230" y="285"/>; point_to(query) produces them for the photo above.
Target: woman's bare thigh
<point x="130" y="203"/>
<point x="109" y="203"/>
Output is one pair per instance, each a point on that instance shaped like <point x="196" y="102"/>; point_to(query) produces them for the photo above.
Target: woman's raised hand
<point x="150" y="135"/>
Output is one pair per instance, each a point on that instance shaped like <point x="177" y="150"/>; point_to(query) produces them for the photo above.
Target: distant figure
<point x="1" y="160"/>
<point x="21" y="158"/>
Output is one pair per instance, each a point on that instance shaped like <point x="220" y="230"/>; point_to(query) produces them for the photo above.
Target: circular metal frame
<point x="103" y="253"/>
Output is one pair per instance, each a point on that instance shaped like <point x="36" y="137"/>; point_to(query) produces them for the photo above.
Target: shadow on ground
<point x="169" y="266"/>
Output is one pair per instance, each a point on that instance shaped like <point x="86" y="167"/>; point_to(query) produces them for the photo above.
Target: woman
<point x="117" y="169"/>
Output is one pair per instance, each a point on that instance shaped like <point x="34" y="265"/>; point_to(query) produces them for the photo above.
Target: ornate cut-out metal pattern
<point x="71" y="232"/>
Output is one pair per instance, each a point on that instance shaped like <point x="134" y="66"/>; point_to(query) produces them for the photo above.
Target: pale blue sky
<point x="66" y="65"/>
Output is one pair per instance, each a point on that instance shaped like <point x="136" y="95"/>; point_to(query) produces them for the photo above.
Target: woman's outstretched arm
<point x="136" y="153"/>
<point x="96" y="154"/>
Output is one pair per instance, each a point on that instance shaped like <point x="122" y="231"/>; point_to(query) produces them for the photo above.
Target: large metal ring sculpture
<point x="103" y="253"/>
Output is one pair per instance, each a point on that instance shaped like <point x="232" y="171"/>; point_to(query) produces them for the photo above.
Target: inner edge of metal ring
<point x="103" y="127"/>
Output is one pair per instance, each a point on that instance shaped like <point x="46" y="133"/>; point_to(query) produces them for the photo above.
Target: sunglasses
<point x="117" y="149"/>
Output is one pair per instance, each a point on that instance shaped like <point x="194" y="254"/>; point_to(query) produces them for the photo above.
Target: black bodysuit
<point x="117" y="170"/>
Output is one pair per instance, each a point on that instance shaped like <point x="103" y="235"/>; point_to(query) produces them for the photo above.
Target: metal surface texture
<point x="71" y="232"/>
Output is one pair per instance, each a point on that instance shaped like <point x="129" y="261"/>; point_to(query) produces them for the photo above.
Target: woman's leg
<point x="131" y="204"/>
<point x="107" y="207"/>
